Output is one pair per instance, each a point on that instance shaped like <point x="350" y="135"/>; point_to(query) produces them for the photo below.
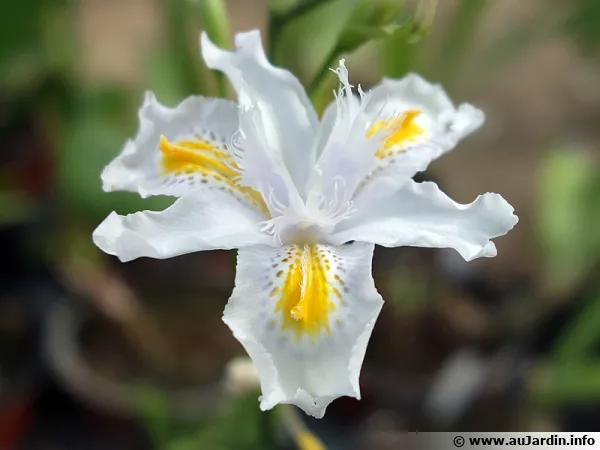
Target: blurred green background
<point x="95" y="354"/>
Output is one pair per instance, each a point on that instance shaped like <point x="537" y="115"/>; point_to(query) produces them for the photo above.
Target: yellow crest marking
<point x="397" y="131"/>
<point x="304" y="296"/>
<point x="188" y="156"/>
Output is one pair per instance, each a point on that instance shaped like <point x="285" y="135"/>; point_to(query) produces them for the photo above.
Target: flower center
<point x="311" y="221"/>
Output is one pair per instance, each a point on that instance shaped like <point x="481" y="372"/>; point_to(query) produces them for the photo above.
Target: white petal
<point x="261" y="167"/>
<point x="311" y="356"/>
<point x="139" y="167"/>
<point x="348" y="153"/>
<point x="206" y="220"/>
<point x="438" y="124"/>
<point x="325" y="126"/>
<point x="327" y="123"/>
<point x="420" y="215"/>
<point x="400" y="167"/>
<point x="289" y="117"/>
<point x="441" y="120"/>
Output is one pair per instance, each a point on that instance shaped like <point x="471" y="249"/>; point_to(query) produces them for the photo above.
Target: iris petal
<point x="305" y="315"/>
<point x="289" y="118"/>
<point x="393" y="214"/>
<point x="206" y="220"/>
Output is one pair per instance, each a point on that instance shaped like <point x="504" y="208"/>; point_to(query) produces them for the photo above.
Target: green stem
<point x="178" y="41"/>
<point x="397" y="55"/>
<point x="267" y="430"/>
<point x="278" y="21"/>
<point x="301" y="435"/>
<point x="215" y="20"/>
<point x="316" y="85"/>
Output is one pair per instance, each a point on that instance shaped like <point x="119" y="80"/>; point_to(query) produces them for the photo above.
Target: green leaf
<point x="376" y="12"/>
<point x="19" y="30"/>
<point x="155" y="412"/>
<point x="215" y="21"/>
<point x="238" y="427"/>
<point x="397" y="52"/>
<point x="35" y="38"/>
<point x="305" y="44"/>
<point x="163" y="78"/>
<point x="59" y="46"/>
<point x="565" y="383"/>
<point x="583" y="24"/>
<point x="373" y="14"/>
<point x="568" y="225"/>
<point x="277" y="7"/>
<point x="182" y="48"/>
<point x="358" y="35"/>
<point x="581" y="335"/>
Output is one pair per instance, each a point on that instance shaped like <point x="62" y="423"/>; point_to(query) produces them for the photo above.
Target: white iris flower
<point x="304" y="201"/>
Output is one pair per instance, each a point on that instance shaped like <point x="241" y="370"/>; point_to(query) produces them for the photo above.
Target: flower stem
<point x="215" y="21"/>
<point x="177" y="28"/>
<point x="302" y="436"/>
<point x="267" y="430"/>
<point x="278" y="21"/>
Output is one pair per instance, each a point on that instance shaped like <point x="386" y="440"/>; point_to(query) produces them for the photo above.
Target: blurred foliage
<point x="460" y="39"/>
<point x="572" y="376"/>
<point x="99" y="123"/>
<point x="581" y="336"/>
<point x="214" y="20"/>
<point x="583" y="24"/>
<point x="303" y="52"/>
<point x="35" y="41"/>
<point x="310" y="37"/>
<point x="254" y="429"/>
<point x="15" y="207"/>
<point x="569" y="218"/>
<point x="241" y="415"/>
<point x="569" y="237"/>
<point x="154" y="411"/>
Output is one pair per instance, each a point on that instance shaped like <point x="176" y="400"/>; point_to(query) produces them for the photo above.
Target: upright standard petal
<point x="348" y="152"/>
<point x="411" y="121"/>
<point x="290" y="120"/>
<point x="205" y="220"/>
<point x="304" y="314"/>
<point x="396" y="214"/>
<point x="262" y="169"/>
